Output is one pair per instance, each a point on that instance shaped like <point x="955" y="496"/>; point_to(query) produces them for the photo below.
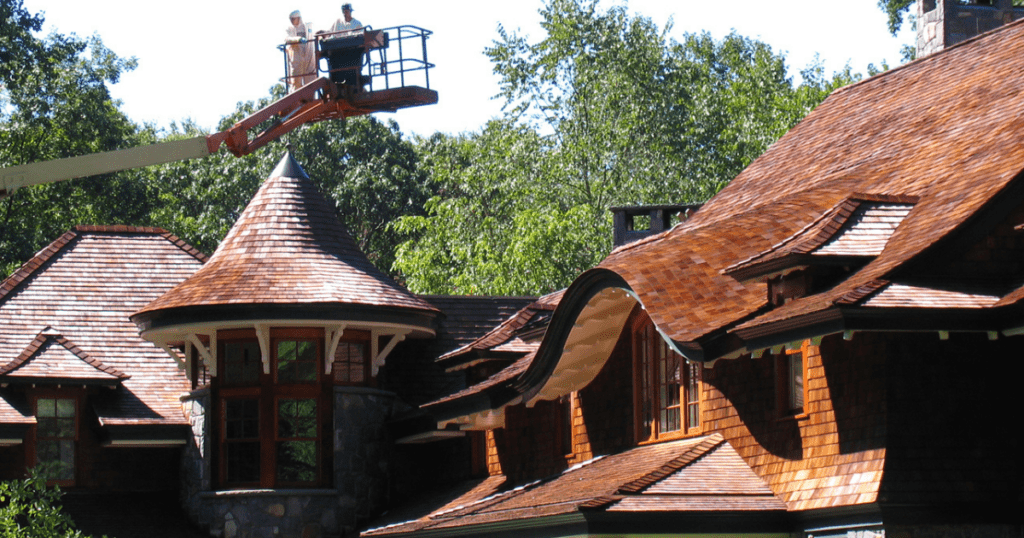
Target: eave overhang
<point x="576" y="298"/>
<point x="421" y="323"/>
<point x="60" y="381"/>
<point x="1005" y="320"/>
<point x="145" y="435"/>
<point x="14" y="434"/>
<point x="763" y="271"/>
<point x="759" y="524"/>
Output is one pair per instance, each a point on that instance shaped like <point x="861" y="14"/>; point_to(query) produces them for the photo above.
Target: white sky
<point x="199" y="59"/>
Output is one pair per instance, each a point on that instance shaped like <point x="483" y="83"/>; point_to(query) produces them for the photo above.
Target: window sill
<point x="675" y="436"/>
<point x="799" y="417"/>
<point x="293" y="492"/>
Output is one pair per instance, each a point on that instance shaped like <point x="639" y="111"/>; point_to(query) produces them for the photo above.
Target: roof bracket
<point x="263" y="335"/>
<point x="378" y="358"/>
<point x="206" y="352"/>
<point x="332" y="336"/>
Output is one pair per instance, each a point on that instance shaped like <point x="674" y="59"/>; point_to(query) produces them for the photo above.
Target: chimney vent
<point x="636" y="222"/>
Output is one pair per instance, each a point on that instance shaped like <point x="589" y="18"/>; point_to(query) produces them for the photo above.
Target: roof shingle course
<point x="85" y="284"/>
<point x="288" y="247"/>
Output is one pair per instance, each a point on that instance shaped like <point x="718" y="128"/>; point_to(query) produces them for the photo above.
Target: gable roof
<point x="85" y="284"/>
<point x="51" y="358"/>
<point x="683" y="476"/>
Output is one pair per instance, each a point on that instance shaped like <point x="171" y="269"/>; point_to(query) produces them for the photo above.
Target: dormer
<point x="826" y="251"/>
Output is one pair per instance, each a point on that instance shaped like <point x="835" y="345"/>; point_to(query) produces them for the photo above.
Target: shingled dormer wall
<point x="944" y="23"/>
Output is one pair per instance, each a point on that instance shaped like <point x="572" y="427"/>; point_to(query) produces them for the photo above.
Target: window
<point x="667" y="387"/>
<point x="270" y="433"/>
<point x="351" y="364"/>
<point x="791" y="382"/>
<point x="56" y="434"/>
<point x="565" y="411"/>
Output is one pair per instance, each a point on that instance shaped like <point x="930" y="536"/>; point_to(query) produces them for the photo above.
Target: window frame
<point x="789" y="386"/>
<point x="652" y="394"/>
<point x="268" y="390"/>
<point x="351" y="337"/>
<point x="32" y="454"/>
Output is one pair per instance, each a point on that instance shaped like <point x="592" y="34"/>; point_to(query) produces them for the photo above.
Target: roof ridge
<point x="929" y="58"/>
<point x="46" y="253"/>
<point x="691" y="455"/>
<point x="42" y="338"/>
<point x="117" y="228"/>
<point x="35" y="262"/>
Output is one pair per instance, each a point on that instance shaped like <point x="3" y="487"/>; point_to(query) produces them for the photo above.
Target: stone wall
<point x="950" y="22"/>
<point x="362" y="451"/>
<point x="361" y="475"/>
<point x="195" y="465"/>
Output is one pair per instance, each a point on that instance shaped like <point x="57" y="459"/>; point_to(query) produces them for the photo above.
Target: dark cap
<point x="346" y="6"/>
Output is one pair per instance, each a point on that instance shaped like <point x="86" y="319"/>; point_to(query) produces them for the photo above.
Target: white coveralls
<point x="301" y="60"/>
<point x="341" y="26"/>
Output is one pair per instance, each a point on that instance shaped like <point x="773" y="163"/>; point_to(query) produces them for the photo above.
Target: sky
<point x="198" y="59"/>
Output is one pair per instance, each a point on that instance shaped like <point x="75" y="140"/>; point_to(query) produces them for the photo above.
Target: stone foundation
<point x="360" y="476"/>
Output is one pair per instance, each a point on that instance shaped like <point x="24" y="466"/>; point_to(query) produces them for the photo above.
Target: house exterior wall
<point x="949" y="440"/>
<point x="834" y="453"/>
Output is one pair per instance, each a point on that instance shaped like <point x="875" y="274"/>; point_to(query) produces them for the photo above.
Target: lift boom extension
<point x="322" y="99"/>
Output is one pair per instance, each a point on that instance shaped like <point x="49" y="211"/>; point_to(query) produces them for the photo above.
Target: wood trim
<point x="31" y="440"/>
<point x="643" y="333"/>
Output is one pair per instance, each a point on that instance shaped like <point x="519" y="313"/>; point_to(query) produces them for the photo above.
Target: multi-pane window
<point x="667" y="386"/>
<point x="297" y="441"/>
<point x="56" y="432"/>
<point x="350" y="363"/>
<point x="270" y="434"/>
<point x="242" y="440"/>
<point x="296" y="361"/>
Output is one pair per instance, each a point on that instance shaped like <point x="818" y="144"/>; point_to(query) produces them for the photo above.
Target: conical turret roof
<point x="288" y="256"/>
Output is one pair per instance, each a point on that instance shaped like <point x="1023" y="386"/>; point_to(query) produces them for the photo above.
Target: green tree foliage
<point x="363" y="165"/>
<point x="29" y="509"/>
<point x="54" y="103"/>
<point x="894" y="11"/>
<point x="605" y="110"/>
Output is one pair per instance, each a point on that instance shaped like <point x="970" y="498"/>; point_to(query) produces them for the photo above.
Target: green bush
<point x="30" y="509"/>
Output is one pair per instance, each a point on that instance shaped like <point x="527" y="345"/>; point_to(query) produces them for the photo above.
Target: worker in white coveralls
<point x="346" y="23"/>
<point x="301" y="53"/>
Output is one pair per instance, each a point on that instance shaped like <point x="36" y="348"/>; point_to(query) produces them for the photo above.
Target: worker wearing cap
<point x="301" y="53"/>
<point x="346" y="23"/>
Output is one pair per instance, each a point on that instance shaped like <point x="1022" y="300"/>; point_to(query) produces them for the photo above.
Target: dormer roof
<point x="857" y="227"/>
<point x="52" y="359"/>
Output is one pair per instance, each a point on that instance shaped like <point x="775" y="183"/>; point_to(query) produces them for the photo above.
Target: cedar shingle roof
<point x="84" y="285"/>
<point x="943" y="130"/>
<point x="288" y="247"/>
<point x="679" y="476"/>
<point x="859" y="226"/>
<point x="411" y="369"/>
<point x="51" y="357"/>
<point x="505" y="334"/>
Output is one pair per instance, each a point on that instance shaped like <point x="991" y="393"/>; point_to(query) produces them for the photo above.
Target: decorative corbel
<point x="263" y="335"/>
<point x="378" y="358"/>
<point x="332" y="336"/>
<point x="208" y="354"/>
<point x="184" y="363"/>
